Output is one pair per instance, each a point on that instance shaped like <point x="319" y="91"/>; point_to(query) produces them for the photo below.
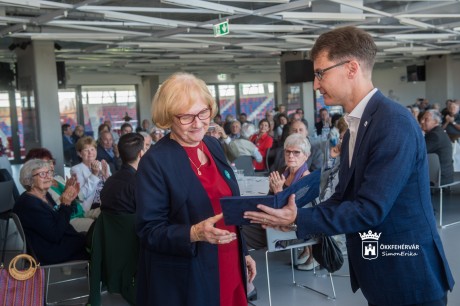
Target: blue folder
<point x="305" y="190"/>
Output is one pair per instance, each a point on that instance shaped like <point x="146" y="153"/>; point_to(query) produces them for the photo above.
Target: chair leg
<point x="440" y="207"/>
<point x="268" y="279"/>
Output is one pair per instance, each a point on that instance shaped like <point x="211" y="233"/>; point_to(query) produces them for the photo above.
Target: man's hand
<point x="280" y="218"/>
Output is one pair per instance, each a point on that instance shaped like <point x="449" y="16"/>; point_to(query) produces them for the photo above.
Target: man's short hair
<point x="64" y="127"/>
<point x="345" y="43"/>
<point x="129" y="147"/>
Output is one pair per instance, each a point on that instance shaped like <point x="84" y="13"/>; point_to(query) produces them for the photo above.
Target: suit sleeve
<point x="386" y="171"/>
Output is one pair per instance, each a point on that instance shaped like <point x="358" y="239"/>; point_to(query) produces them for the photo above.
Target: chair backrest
<point x="277" y="240"/>
<point x="244" y="162"/>
<point x="14" y="234"/>
<point x="6" y="196"/>
<point x="6" y="176"/>
<point x="267" y="157"/>
<point x="434" y="168"/>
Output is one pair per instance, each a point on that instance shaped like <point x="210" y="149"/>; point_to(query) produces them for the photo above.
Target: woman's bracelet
<point x="195" y="233"/>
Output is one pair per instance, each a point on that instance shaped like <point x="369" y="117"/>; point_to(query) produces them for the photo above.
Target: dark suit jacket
<point x="70" y="153"/>
<point x="170" y="199"/>
<point x="438" y="142"/>
<point x="117" y="195"/>
<point x="113" y="162"/>
<point x="385" y="190"/>
<point x="48" y="232"/>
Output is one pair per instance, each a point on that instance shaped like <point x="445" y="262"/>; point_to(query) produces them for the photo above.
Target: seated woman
<point x="297" y="149"/>
<point x="91" y="174"/>
<point x="46" y="224"/>
<point x="263" y="142"/>
<point x="59" y="186"/>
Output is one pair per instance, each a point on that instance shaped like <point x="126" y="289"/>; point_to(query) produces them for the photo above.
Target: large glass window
<point x="116" y="104"/>
<point x="227" y="99"/>
<point x="6" y="126"/>
<point x="256" y="99"/>
<point x="68" y="107"/>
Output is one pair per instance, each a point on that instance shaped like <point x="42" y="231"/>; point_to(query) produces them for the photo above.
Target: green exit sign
<point x="221" y="29"/>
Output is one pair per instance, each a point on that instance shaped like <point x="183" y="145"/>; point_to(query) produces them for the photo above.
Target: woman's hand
<point x="251" y="268"/>
<point x="205" y="231"/>
<point x="276" y="182"/>
<point x="95" y="167"/>
<point x="105" y="169"/>
<point x="69" y="194"/>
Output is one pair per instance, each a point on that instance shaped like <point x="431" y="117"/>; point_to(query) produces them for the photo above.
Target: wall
<point x="406" y="93"/>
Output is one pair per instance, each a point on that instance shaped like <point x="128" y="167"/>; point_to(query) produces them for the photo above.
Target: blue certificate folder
<point x="305" y="190"/>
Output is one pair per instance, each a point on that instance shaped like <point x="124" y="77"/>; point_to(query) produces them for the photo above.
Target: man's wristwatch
<point x="293" y="227"/>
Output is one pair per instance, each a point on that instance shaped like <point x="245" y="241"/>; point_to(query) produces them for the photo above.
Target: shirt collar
<point x="358" y="111"/>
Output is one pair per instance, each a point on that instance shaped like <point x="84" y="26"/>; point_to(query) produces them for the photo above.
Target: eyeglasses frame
<point x="179" y="117"/>
<point x="44" y="174"/>
<point x="319" y="74"/>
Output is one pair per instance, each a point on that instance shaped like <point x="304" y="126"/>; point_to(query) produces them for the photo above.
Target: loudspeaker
<point x="60" y="69"/>
<point x="415" y="73"/>
<point x="6" y="76"/>
<point x="299" y="71"/>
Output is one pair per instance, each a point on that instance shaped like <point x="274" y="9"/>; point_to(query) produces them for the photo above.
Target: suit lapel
<point x="364" y="126"/>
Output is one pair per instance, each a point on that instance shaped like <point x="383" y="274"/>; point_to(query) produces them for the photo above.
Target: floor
<point x="284" y="292"/>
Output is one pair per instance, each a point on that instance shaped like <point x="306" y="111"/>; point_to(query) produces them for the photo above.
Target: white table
<point x="253" y="185"/>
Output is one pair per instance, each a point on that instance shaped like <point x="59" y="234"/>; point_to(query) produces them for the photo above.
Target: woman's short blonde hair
<point x="25" y="175"/>
<point x="85" y="140"/>
<point x="298" y="140"/>
<point x="180" y="91"/>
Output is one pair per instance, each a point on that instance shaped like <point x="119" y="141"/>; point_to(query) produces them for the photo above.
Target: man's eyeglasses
<point x="320" y="73"/>
<point x="44" y="174"/>
<point x="295" y="153"/>
<point x="189" y="118"/>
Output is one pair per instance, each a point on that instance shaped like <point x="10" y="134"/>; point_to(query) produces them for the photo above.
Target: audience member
<point x="451" y="121"/>
<point x="147" y="142"/>
<point x="282" y="121"/>
<point x="325" y="123"/>
<point x="108" y="151"/>
<point x="126" y="128"/>
<point x="242" y="146"/>
<point x="59" y="188"/>
<point x="70" y="154"/>
<point x="228" y="122"/>
<point x="45" y="223"/>
<point x="235" y="129"/>
<point x="263" y="142"/>
<point x="243" y="118"/>
<point x="4" y="161"/>
<point x="218" y="119"/>
<point x="438" y="142"/>
<point x="115" y="135"/>
<point x="78" y="132"/>
<point x="91" y="174"/>
<point x="156" y="134"/>
<point x="270" y="117"/>
<point x="117" y="195"/>
<point x="302" y="117"/>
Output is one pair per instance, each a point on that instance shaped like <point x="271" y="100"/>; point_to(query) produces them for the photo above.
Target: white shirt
<point x="353" y="119"/>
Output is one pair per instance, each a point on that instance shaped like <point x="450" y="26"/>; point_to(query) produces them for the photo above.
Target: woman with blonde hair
<point x="188" y="255"/>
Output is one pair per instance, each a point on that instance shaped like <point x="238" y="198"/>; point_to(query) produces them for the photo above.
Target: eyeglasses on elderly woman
<point x="295" y="153"/>
<point x="189" y="118"/>
<point x="44" y="174"/>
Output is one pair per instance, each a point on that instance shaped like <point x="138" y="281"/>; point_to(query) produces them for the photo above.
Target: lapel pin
<point x="227" y="174"/>
<point x="365" y="124"/>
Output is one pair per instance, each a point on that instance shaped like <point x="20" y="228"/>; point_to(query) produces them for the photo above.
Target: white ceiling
<point x="159" y="37"/>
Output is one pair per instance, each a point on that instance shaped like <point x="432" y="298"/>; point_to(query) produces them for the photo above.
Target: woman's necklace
<point x="201" y="164"/>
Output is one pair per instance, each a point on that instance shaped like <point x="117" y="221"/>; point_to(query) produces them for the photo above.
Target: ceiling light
<point x="414" y="23"/>
<point x="22" y="3"/>
<point x="321" y="16"/>
<point x="208" y="5"/>
<point x="206" y="56"/>
<point x="146" y="19"/>
<point x="406" y="49"/>
<point x="427" y="36"/>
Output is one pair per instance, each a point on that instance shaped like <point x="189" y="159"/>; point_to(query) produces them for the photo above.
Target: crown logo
<point x="370" y="235"/>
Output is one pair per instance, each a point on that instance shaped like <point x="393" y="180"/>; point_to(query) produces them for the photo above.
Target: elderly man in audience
<point x="70" y="155"/>
<point x="147" y="142"/>
<point x="438" y="142"/>
<point x="242" y="146"/>
<point x="107" y="150"/>
<point x="46" y="224"/>
<point x="156" y="134"/>
<point x="91" y="174"/>
<point x="451" y="121"/>
<point x="78" y="132"/>
<point x="126" y="128"/>
<point x="117" y="195"/>
<point x="235" y="129"/>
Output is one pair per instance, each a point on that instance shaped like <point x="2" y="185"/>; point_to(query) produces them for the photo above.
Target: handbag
<point x="21" y="287"/>
<point x="328" y="254"/>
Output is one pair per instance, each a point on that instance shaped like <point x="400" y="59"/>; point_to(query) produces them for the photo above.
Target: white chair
<point x="273" y="237"/>
<point x="435" y="183"/>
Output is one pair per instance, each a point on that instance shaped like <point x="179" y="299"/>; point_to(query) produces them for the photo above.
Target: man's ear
<point x="353" y="67"/>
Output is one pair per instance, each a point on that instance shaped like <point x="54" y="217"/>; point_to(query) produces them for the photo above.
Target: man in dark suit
<point x="117" y="196"/>
<point x="108" y="151"/>
<point x="382" y="201"/>
<point x="438" y="142"/>
<point x="70" y="153"/>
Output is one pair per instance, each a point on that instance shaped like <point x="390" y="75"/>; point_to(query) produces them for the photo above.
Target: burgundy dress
<point x="232" y="289"/>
